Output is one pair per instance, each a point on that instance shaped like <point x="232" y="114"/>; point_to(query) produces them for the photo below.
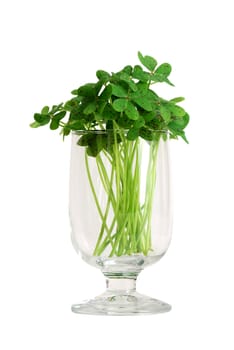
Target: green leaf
<point x="143" y="90"/>
<point x="90" y="108"/>
<point x="169" y="82"/>
<point x="86" y="139"/>
<point x="71" y="104"/>
<point x="92" y="151"/>
<point x="183" y="136"/>
<point x="132" y="85"/>
<point x="124" y="122"/>
<point x="54" y="124"/>
<point x="35" y="125"/>
<point x="139" y="123"/>
<point x="158" y="78"/>
<point x="98" y="87"/>
<point x="180" y="123"/>
<point x="96" y="144"/>
<point x="75" y="115"/>
<point x="59" y="116"/>
<point x="56" y="108"/>
<point x="147" y="61"/>
<point x="109" y="113"/>
<point x="106" y="93"/>
<point x="131" y="111"/>
<point x="177" y="99"/>
<point x="148" y="116"/>
<point x="164" y="69"/>
<point x="146" y="134"/>
<point x="119" y="91"/>
<point x="103" y="75"/>
<point x="139" y="74"/>
<point x="126" y="78"/>
<point x="65" y="131"/>
<point x="186" y="119"/>
<point x="144" y="103"/>
<point x="161" y="74"/>
<point x="177" y="111"/>
<point x="45" y="110"/>
<point x="128" y="70"/>
<point x="120" y="104"/>
<point x="154" y="124"/>
<point x="142" y="87"/>
<point x="144" y="98"/>
<point x="41" y="118"/>
<point x="75" y="92"/>
<point x="76" y="125"/>
<point x="132" y="134"/>
<point x="100" y="106"/>
<point x="87" y="90"/>
<point x="176" y="133"/>
<point x="165" y="113"/>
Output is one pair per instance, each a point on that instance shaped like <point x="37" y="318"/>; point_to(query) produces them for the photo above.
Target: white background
<point x="48" y="48"/>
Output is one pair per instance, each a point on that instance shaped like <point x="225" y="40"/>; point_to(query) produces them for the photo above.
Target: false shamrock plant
<point x="111" y="116"/>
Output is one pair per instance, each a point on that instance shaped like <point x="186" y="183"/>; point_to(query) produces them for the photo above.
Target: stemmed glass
<point x="121" y="215"/>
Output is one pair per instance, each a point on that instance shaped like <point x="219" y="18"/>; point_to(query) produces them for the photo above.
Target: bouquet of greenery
<point x="123" y="107"/>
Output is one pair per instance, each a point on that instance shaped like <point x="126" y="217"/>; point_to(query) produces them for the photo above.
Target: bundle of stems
<point x="129" y="231"/>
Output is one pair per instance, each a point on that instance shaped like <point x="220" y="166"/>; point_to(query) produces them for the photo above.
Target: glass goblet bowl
<point x="120" y="213"/>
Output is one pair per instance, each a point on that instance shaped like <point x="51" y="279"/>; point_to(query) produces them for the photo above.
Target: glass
<point x="121" y="214"/>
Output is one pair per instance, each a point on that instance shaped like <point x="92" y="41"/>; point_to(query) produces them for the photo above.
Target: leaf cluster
<point x="123" y="100"/>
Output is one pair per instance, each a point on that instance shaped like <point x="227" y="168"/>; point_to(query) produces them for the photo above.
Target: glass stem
<point x="120" y="283"/>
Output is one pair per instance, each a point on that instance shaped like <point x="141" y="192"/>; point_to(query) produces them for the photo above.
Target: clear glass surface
<point x="121" y="215"/>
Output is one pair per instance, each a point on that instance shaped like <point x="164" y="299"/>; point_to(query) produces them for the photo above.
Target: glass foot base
<point x="122" y="304"/>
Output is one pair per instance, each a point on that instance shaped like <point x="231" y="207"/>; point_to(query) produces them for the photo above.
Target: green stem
<point x="130" y="229"/>
<point x="108" y="187"/>
<point x="149" y="195"/>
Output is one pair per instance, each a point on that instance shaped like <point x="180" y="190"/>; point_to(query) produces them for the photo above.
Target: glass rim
<point x="100" y="132"/>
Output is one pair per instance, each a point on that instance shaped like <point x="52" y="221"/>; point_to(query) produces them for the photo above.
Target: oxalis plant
<point x="111" y="116"/>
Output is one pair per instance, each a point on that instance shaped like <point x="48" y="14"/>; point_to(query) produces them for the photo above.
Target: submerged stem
<point x="125" y="220"/>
